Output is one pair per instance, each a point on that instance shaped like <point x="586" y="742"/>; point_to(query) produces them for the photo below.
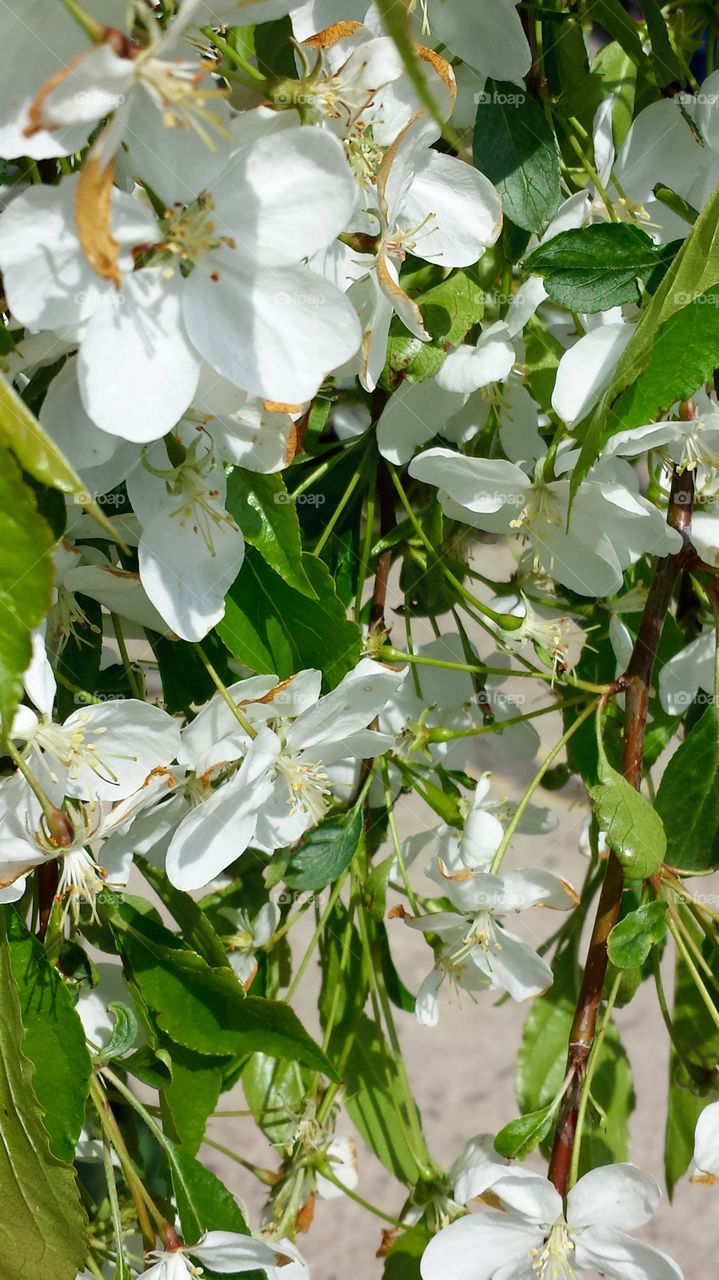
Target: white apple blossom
<point x="472" y="935"/>
<point x="250" y="936"/>
<point x="431" y="205"/>
<point x="535" y="1234"/>
<point x="101" y="752"/>
<point x="705" y="1161"/>
<point x="227" y="1251"/>
<point x="279" y="200"/>
<point x="611" y="525"/>
<point x="282" y="787"/>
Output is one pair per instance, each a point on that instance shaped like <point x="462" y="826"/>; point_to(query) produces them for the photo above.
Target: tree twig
<point x="636" y="682"/>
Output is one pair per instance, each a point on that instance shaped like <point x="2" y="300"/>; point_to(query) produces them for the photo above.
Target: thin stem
<point x="390" y="654"/>
<point x="224" y="693"/>
<point x="696" y="977"/>
<point x="112" y="1197"/>
<point x="112" y="1131"/>
<point x="364" y="1204"/>
<point x="315" y="938"/>
<point x="329" y="528"/>
<point x="546" y="765"/>
<point x="132" y="679"/>
<point x="637" y="681"/>
<point x="394" y="833"/>
<point x="449" y="735"/>
<point x="233" y="55"/>
<point x="265" y="1176"/>
<point x="507" y="621"/>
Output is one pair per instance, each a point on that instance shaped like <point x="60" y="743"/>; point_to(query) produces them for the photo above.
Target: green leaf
<point x="520" y="1136"/>
<point x="42" y="1226"/>
<point x="204" y="1008"/>
<point x="403" y="1257"/>
<point x="274" y="629"/>
<point x="124" y="1032"/>
<point x="611" y="15"/>
<point x="590" y="269"/>
<point x="197" y="930"/>
<point x="516" y="149"/>
<point x="632" y="939"/>
<point x="267" y="517"/>
<point x="684" y="355"/>
<point x="204" y="1204"/>
<point x="26" y="578"/>
<point x="688" y="798"/>
<point x="694" y="271"/>
<point x="409" y="359"/>
<point x="38" y="454"/>
<point x="326" y="852"/>
<point x="618" y="75"/>
<point x="54" y="1041"/>
<point x="371" y="1105"/>
<point x="190" y="1096"/>
<point x="276" y="1094"/>
<point x="634" y="830"/>
<point x="667" y="66"/>
<point x="451" y="308"/>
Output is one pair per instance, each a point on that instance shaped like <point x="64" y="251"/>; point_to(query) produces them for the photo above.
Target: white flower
<point x="191" y="550"/>
<point x="688" y="671"/>
<point x="473" y="932"/>
<point x="227" y="1251"/>
<point x="486" y="34"/>
<point x="166" y="110"/>
<point x="611" y="525"/>
<point x="250" y="936"/>
<point x="281" y="199"/>
<point x="586" y="369"/>
<point x="535" y="1236"/>
<point x="102" y="752"/>
<point x="477" y="1166"/>
<point x="430" y="205"/>
<point x="705" y="1163"/>
<point x="341" y="1155"/>
<point x="282" y="787"/>
<point x="691" y="445"/>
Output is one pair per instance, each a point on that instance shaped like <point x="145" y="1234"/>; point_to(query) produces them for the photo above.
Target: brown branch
<point x="636" y="682"/>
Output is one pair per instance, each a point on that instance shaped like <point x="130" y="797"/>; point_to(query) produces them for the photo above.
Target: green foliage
<point x="688" y="801"/>
<point x="54" y="1040"/>
<point x="596" y="267"/>
<point x="516" y="149"/>
<point x="275" y="629"/>
<point x="26" y="576"/>
<point x="633" y="938"/>
<point x="42" y="1223"/>
<point x="267" y="517"/>
<point x="326" y="852"/>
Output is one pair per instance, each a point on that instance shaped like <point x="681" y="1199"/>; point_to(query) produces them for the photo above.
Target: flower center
<point x="542" y="508"/>
<point x="553" y="1261"/>
<point x="308" y="786"/>
<point x="193" y="232"/>
<point x="181" y="92"/>
<point x="403" y="240"/>
<point x="82" y="879"/>
<point x="74" y="749"/>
